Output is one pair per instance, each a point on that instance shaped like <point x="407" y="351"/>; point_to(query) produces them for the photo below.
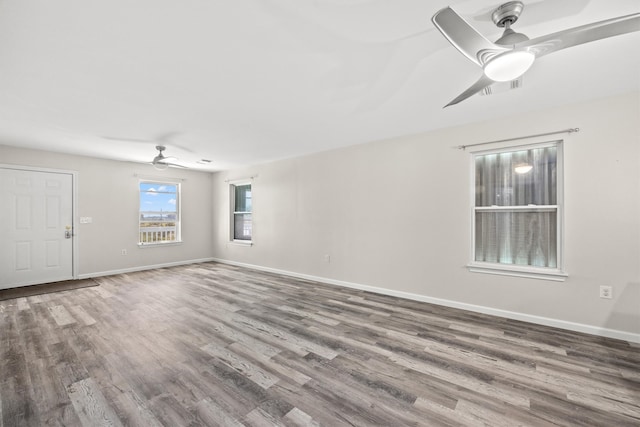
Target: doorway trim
<point x="74" y="205"/>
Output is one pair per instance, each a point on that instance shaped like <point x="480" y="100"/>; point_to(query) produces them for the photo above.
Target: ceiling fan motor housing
<point x="510" y="38"/>
<point x="507" y="14"/>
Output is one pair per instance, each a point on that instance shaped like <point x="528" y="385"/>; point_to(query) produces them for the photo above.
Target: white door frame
<point x="74" y="205"/>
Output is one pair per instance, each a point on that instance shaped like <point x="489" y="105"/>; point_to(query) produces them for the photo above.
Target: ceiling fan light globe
<point x="160" y="166"/>
<point x="509" y="66"/>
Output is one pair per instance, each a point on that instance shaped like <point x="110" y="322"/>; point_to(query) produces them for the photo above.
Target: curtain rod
<point x="571" y="130"/>
<point x="252" y="177"/>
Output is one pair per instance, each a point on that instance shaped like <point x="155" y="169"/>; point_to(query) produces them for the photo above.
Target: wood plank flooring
<point x="210" y="344"/>
<point x="27" y="291"/>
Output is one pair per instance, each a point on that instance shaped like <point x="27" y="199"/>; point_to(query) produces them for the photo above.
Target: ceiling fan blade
<point x="584" y="34"/>
<point x="463" y="36"/>
<point x="113" y="138"/>
<point x="163" y="160"/>
<point x="168" y="164"/>
<point x="172" y="165"/>
<point x="475" y="88"/>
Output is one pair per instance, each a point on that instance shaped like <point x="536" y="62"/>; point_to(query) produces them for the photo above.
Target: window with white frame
<point x="516" y="210"/>
<point x="241" y="207"/>
<point x="159" y="218"/>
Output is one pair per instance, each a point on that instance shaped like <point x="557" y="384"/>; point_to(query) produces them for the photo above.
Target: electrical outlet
<point x="606" y="292"/>
<point x="124" y="252"/>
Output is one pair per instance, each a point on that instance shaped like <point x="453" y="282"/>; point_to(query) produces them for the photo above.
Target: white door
<point x="36" y="227"/>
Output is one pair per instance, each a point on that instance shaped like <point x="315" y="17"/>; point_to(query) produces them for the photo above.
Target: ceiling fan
<point x="513" y="53"/>
<point x="162" y="162"/>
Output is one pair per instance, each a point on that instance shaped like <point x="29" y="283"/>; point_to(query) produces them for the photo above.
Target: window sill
<point x="159" y="244"/>
<point x="515" y="271"/>
<point x="241" y="242"/>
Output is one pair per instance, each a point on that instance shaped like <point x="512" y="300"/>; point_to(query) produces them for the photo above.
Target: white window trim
<point x="178" y="240"/>
<point x="159" y="244"/>
<point x="241" y="242"/>
<point x="232" y="212"/>
<point x="518" y="271"/>
<point x="544" y="273"/>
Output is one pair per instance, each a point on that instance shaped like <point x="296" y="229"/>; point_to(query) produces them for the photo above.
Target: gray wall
<point x="108" y="192"/>
<point x="395" y="215"/>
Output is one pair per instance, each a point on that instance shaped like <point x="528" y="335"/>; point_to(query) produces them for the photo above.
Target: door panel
<point x="22" y="212"/>
<point x="23" y="256"/>
<point x="36" y="211"/>
<point x="52" y="258"/>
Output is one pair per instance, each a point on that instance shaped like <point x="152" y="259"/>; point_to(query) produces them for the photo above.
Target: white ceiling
<point x="249" y="81"/>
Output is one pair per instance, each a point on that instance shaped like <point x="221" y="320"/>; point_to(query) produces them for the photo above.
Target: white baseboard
<point x="143" y="268"/>
<point x="556" y="323"/>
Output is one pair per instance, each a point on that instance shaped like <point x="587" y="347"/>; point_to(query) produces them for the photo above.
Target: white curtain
<point x="526" y="234"/>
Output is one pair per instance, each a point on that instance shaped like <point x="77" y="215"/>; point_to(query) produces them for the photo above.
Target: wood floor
<point x="210" y="344"/>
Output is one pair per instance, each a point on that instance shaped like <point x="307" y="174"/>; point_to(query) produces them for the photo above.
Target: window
<point x="241" y="227"/>
<point x="159" y="213"/>
<point x="516" y="211"/>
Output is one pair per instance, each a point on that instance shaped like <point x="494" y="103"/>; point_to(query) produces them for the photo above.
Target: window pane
<point x="243" y="198"/>
<point x="518" y="238"/>
<point x="242" y="226"/>
<point x="158" y="212"/>
<point x="156" y="197"/>
<point x="498" y="183"/>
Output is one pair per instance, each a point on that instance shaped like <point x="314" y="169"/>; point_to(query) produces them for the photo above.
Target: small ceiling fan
<point x="513" y="53"/>
<point x="161" y="162"/>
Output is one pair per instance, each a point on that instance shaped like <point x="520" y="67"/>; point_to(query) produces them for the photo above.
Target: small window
<point x="159" y="213"/>
<point x="516" y="210"/>
<point x="241" y="213"/>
